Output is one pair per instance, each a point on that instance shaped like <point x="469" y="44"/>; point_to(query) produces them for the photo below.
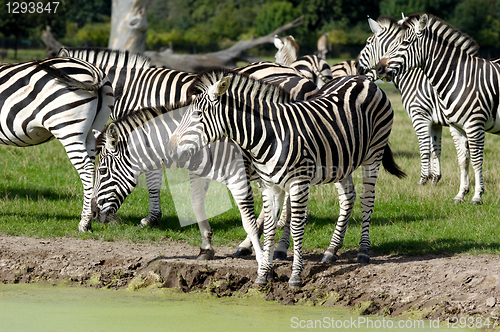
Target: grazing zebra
<point x="467" y="85"/>
<point x="295" y="145"/>
<point x="61" y="98"/>
<point x="137" y="85"/>
<point x="417" y="95"/>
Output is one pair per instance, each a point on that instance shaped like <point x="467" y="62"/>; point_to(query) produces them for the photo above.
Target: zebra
<point x="134" y="144"/>
<point x="61" y="98"/>
<point x="417" y="95"/>
<point x="287" y="55"/>
<point x="297" y="86"/>
<point x="344" y="68"/>
<point x="467" y="85"/>
<point x="138" y="85"/>
<point x="295" y="145"/>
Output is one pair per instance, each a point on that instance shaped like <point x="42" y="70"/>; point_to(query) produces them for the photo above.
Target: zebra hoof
<point x="329" y="258"/>
<point x="295" y="281"/>
<point x="242" y="252"/>
<point x="279" y="256"/>
<point x="149" y="221"/>
<point x="206" y="255"/>
<point x="363" y="258"/>
<point x="422" y="182"/>
<point x="85" y="227"/>
<point x="476" y="202"/>
<point x="261" y="280"/>
<point x="458" y="200"/>
<point x="435" y="180"/>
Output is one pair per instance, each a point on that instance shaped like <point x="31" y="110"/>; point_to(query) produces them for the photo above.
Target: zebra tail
<point x="72" y="83"/>
<point x="390" y="164"/>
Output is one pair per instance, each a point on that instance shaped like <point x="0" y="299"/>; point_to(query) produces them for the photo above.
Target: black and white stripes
<point x="61" y="98"/>
<point x="467" y="85"/>
<point x="294" y="146"/>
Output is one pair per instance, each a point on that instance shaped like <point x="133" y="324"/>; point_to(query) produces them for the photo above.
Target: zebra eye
<point x="197" y="113"/>
<point x="103" y="170"/>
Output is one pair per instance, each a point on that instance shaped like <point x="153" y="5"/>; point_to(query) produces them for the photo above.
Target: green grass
<point x="23" y="55"/>
<point x="41" y="196"/>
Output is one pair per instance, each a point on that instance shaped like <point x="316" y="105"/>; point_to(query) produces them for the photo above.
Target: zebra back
<point x="314" y="68"/>
<point x="287" y="78"/>
<point x="136" y="85"/>
<point x="344" y="68"/>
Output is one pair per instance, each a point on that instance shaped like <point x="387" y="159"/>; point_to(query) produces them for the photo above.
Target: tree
<point x="128" y="25"/>
<point x="19" y="19"/>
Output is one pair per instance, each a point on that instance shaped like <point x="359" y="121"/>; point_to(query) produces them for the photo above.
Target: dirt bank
<point x="420" y="287"/>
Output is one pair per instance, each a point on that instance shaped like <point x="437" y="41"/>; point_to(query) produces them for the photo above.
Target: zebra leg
<point x="243" y="196"/>
<point x="422" y="127"/>
<point x="273" y="198"/>
<point x="299" y="197"/>
<point x="370" y="175"/>
<point x="280" y="252"/>
<point x="462" y="147"/>
<point x="153" y="182"/>
<point x="199" y="187"/>
<point x="347" y="196"/>
<point x="245" y="247"/>
<point x="435" y="164"/>
<point x="476" y="145"/>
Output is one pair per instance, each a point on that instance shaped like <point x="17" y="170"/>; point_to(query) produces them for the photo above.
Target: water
<point x="48" y="308"/>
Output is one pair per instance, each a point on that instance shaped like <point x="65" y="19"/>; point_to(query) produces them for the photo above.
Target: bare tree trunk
<point x="226" y="58"/>
<point x="128" y="25"/>
<point x="51" y="43"/>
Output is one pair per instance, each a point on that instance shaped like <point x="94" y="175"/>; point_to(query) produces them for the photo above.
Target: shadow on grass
<point x="36" y="194"/>
<point x="42" y="217"/>
<point x="447" y="246"/>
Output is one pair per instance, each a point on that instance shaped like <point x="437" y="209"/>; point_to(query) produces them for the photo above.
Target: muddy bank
<point x="418" y="287"/>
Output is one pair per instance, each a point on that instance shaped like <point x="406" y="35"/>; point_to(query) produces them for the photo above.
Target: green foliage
<point x="96" y="34"/>
<point x="273" y="15"/>
<point x="480" y="19"/>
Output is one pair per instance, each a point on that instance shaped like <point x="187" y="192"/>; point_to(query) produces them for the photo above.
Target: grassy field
<point x="41" y="196"/>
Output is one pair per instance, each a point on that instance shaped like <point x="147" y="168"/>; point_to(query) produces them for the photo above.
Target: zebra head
<point x="403" y="54"/>
<point x="201" y="124"/>
<point x="115" y="177"/>
<point x="385" y="30"/>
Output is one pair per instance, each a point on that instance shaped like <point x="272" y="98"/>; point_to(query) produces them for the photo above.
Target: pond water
<point x="56" y="308"/>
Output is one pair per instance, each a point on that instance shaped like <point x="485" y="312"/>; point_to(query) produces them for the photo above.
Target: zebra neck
<point x="253" y="127"/>
<point x="146" y="141"/>
<point x="443" y="69"/>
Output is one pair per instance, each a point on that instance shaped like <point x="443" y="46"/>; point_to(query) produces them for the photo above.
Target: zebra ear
<point x="403" y="19"/>
<point x="63" y="53"/>
<point x="219" y="87"/>
<point x="374" y="26"/>
<point x="422" y="23"/>
<point x="278" y="43"/>
<point x="111" y="137"/>
<point x="96" y="133"/>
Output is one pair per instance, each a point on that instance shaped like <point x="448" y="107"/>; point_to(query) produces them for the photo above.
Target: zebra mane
<point x="444" y="31"/>
<point x="132" y="120"/>
<point x="115" y="57"/>
<point x="388" y="22"/>
<point x="240" y="83"/>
